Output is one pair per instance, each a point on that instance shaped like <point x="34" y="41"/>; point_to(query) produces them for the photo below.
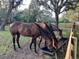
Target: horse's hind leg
<point x="31" y="44"/>
<point x="18" y="36"/>
<point x="40" y="41"/>
<point x="14" y="42"/>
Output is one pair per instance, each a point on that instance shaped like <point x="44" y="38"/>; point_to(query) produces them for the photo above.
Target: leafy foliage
<point x="64" y="21"/>
<point x="73" y="14"/>
<point x="22" y="16"/>
<point x="25" y="17"/>
<point x="58" y="6"/>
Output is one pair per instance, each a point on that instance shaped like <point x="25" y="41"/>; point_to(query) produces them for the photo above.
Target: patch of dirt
<point x="24" y="53"/>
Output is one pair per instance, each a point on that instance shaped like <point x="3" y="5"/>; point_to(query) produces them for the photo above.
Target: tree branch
<point x="52" y="2"/>
<point x="17" y="3"/>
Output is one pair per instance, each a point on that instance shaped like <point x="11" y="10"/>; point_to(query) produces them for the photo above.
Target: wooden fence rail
<point x="71" y="52"/>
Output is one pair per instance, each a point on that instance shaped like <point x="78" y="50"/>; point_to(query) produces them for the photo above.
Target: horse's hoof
<point x="39" y="46"/>
<point x="36" y="52"/>
<point x="30" y="48"/>
<point x="14" y="49"/>
<point x="20" y="47"/>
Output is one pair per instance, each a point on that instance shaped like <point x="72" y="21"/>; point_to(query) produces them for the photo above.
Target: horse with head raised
<point x="30" y="30"/>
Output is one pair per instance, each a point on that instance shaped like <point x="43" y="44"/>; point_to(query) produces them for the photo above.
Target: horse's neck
<point x="42" y="25"/>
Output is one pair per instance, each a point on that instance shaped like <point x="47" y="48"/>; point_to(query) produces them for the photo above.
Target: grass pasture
<point x="6" y="41"/>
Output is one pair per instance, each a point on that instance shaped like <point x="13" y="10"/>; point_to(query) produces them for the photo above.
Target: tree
<point x="23" y="16"/>
<point x="58" y="6"/>
<point x="12" y="5"/>
<point x="3" y="11"/>
<point x="38" y="15"/>
<point x="33" y="11"/>
<point x="46" y="16"/>
<point x="73" y="15"/>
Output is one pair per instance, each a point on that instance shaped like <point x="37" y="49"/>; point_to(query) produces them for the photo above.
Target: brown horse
<point x="52" y="28"/>
<point x="47" y="28"/>
<point x="31" y="30"/>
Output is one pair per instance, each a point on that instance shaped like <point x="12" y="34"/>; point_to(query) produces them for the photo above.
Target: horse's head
<point x="55" y="40"/>
<point x="55" y="43"/>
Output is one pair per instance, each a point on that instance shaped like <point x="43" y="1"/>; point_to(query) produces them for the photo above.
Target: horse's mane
<point x="40" y="28"/>
<point x="52" y="32"/>
<point x="44" y="32"/>
<point x="49" y="33"/>
<point x="57" y="29"/>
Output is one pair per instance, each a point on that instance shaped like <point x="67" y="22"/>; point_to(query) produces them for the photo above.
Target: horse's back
<point x="25" y="29"/>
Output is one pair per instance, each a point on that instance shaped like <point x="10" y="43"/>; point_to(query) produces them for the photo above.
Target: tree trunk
<point x="57" y="19"/>
<point x="6" y="20"/>
<point x="2" y="27"/>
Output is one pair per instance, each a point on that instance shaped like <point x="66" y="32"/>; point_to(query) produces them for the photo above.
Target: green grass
<point x="77" y="45"/>
<point x="6" y="41"/>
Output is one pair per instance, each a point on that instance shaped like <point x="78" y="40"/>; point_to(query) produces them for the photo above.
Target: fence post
<point x="75" y="41"/>
<point x="68" y="53"/>
<point x="75" y="48"/>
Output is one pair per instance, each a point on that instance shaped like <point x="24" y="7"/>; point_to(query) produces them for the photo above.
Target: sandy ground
<point x="24" y="53"/>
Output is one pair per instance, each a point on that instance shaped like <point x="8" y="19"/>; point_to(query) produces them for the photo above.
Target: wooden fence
<point x="71" y="52"/>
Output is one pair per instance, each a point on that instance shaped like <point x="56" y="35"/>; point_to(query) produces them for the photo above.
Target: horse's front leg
<point x="51" y="45"/>
<point x="33" y="41"/>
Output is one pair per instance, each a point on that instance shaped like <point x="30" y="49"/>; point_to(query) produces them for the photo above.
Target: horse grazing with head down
<point x="31" y="30"/>
<point x="50" y="34"/>
<point x="51" y="28"/>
